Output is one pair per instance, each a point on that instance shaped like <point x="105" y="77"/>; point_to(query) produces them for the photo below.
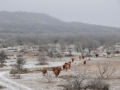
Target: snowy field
<point x="36" y="80"/>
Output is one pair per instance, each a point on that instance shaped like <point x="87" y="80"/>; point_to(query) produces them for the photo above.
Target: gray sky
<point x="101" y="12"/>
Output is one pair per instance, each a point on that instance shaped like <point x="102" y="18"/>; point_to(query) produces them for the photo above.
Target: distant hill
<point x="25" y="22"/>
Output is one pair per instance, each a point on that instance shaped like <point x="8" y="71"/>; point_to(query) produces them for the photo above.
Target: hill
<point x="27" y="22"/>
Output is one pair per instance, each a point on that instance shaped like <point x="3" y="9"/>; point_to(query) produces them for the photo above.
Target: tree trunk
<point x="89" y="55"/>
<point x="1" y="63"/>
<point x="107" y="53"/>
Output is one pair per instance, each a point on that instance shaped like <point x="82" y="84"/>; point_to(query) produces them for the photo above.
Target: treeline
<point x="39" y="39"/>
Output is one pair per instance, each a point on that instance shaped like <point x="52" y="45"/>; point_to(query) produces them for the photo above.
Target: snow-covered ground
<point x="36" y="81"/>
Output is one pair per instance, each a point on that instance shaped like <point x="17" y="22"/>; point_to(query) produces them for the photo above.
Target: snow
<point x="11" y="85"/>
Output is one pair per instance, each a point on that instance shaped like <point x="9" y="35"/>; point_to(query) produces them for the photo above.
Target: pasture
<point x="101" y="67"/>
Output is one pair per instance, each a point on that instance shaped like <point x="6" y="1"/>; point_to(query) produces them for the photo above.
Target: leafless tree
<point x="59" y="55"/>
<point x="3" y="56"/>
<point x="14" y="71"/>
<point x="50" y="54"/>
<point x="105" y="70"/>
<point x="20" y="62"/>
<point x="78" y="83"/>
<point x="91" y="45"/>
<point x="98" y="84"/>
<point x="81" y="76"/>
<point x="84" y="81"/>
<point x="42" y="59"/>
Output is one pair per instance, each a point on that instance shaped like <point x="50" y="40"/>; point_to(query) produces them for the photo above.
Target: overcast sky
<point x="101" y="12"/>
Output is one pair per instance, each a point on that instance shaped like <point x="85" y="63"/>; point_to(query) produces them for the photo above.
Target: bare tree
<point x="70" y="52"/>
<point x="98" y="84"/>
<point x="59" y="55"/>
<point x="3" y="56"/>
<point x="78" y="83"/>
<point x="84" y="81"/>
<point x="91" y="45"/>
<point x="50" y="54"/>
<point x="105" y="70"/>
<point x="14" y="71"/>
<point x="20" y="62"/>
<point x="81" y="76"/>
<point x="107" y="47"/>
<point x="62" y="47"/>
<point x="42" y="59"/>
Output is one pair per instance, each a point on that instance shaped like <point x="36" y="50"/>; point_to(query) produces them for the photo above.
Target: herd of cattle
<point x="67" y="65"/>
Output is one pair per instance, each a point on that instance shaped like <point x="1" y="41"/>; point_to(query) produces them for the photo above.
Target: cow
<point x="56" y="72"/>
<point x="44" y="71"/>
<point x="84" y="62"/>
<point x="69" y="63"/>
<point x="58" y="68"/>
<point x="108" y="53"/>
<point x="64" y="66"/>
<point x="81" y="57"/>
<point x="72" y="59"/>
<point x="67" y="67"/>
<point x="97" y="55"/>
<point x="117" y="52"/>
<point x="53" y="68"/>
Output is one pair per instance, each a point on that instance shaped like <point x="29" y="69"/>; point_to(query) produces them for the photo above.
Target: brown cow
<point x="84" y="62"/>
<point x="81" y="57"/>
<point x="69" y="63"/>
<point x="97" y="55"/>
<point x="72" y="59"/>
<point x="56" y="72"/>
<point x="64" y="66"/>
<point x="58" y="68"/>
<point x="44" y="71"/>
<point x="53" y="68"/>
<point x="108" y="53"/>
<point x="117" y="52"/>
<point x="67" y="67"/>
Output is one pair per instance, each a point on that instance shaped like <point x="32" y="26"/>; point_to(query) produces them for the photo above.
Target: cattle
<point x="64" y="66"/>
<point x="72" y="59"/>
<point x="67" y="67"/>
<point x="69" y="64"/>
<point x="58" y="68"/>
<point x="108" y="53"/>
<point x="56" y="72"/>
<point x="81" y="57"/>
<point x="117" y="52"/>
<point x="53" y="68"/>
<point x="44" y="71"/>
<point x="97" y="55"/>
<point x="84" y="62"/>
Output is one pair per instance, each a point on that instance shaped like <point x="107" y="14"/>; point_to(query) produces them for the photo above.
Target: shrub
<point x="98" y="84"/>
<point x="42" y="59"/>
